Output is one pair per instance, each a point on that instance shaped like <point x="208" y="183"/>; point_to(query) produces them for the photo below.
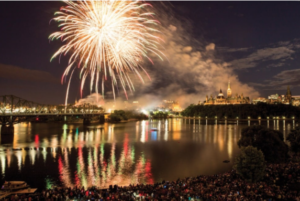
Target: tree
<point x="250" y="164"/>
<point x="270" y="142"/>
<point x="262" y="110"/>
<point x="115" y="117"/>
<point x="122" y="114"/>
<point x="160" y="115"/>
<point x="294" y="139"/>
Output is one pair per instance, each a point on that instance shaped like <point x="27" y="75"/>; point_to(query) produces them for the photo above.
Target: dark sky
<point x="260" y="40"/>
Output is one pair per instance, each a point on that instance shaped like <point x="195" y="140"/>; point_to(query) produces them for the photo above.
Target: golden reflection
<point x="205" y="133"/>
<point x="19" y="159"/>
<point x="98" y="136"/>
<point x="159" y="127"/>
<point x="2" y="158"/>
<point x="8" y="156"/>
<point x="53" y="152"/>
<point x="44" y="153"/>
<point x="229" y="143"/>
<point x="111" y="132"/>
<point x="293" y="124"/>
<point x="166" y="136"/>
<point x="23" y="156"/>
<point x="284" y="130"/>
<point x="137" y="126"/>
<point x="177" y="136"/>
<point x="215" y="133"/>
<point x="32" y="154"/>
<point x="16" y="136"/>
<point x="143" y="134"/>
<point x="194" y="126"/>
<point x="81" y="139"/>
<point x="221" y="139"/>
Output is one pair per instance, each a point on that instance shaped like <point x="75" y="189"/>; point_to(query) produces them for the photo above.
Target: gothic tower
<point x="229" y="90"/>
<point x="288" y="95"/>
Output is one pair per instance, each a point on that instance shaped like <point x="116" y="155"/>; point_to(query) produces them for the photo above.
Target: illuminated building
<point x="260" y="99"/>
<point x="222" y="100"/>
<point x="280" y="99"/>
<point x="170" y="106"/>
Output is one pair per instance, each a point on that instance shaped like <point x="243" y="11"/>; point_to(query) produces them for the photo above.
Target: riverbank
<point x="281" y="182"/>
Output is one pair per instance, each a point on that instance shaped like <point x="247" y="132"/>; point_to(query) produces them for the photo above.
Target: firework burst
<point x="107" y="39"/>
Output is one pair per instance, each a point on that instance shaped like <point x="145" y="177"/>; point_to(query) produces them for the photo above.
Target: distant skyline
<point x="254" y="44"/>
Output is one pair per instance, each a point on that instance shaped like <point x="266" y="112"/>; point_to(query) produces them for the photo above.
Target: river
<point x="46" y="154"/>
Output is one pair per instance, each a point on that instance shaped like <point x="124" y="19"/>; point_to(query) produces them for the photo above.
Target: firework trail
<point x="107" y="38"/>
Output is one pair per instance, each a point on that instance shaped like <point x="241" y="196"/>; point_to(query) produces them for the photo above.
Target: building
<point x="275" y="98"/>
<point x="280" y="99"/>
<point x="260" y="99"/>
<point x="296" y="100"/>
<point x="220" y="99"/>
<point x="170" y="105"/>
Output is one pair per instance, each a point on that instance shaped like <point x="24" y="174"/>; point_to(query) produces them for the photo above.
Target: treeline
<point x="243" y="111"/>
<point x="159" y="115"/>
<point x="123" y="115"/>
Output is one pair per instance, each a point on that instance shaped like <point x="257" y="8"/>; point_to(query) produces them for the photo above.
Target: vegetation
<point x="120" y="115"/>
<point x="159" y="115"/>
<point x="115" y="117"/>
<point x="243" y="111"/>
<point x="270" y="142"/>
<point x="294" y="139"/>
<point x="250" y="164"/>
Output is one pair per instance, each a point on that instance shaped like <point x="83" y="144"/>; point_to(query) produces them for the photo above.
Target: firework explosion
<point x="107" y="38"/>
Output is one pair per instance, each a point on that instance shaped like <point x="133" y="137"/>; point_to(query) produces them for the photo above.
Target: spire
<point x="288" y="92"/>
<point x="220" y="90"/>
<point x="228" y="90"/>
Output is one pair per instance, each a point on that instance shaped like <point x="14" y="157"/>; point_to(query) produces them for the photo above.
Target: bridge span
<point x="15" y="110"/>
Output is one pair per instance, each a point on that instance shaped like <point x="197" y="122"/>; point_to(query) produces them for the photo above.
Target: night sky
<point x="260" y="41"/>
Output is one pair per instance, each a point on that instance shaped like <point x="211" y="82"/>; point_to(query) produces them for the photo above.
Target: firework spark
<point x="107" y="38"/>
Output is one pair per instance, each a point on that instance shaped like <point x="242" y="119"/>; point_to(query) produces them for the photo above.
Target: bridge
<point x="14" y="110"/>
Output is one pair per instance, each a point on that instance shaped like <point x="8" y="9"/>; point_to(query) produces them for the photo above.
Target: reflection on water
<point x="47" y="153"/>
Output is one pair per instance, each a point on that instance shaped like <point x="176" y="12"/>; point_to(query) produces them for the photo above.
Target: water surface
<point x="45" y="154"/>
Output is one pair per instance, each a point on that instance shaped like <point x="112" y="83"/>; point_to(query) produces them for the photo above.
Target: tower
<point x="288" y="95"/>
<point x="228" y="90"/>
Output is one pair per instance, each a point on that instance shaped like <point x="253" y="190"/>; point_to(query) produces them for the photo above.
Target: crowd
<point x="281" y="182"/>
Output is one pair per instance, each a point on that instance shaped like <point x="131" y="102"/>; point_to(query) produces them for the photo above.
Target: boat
<point x="14" y="185"/>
